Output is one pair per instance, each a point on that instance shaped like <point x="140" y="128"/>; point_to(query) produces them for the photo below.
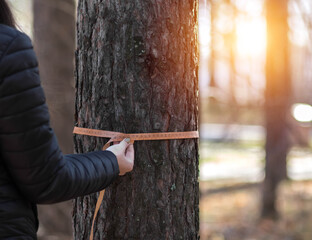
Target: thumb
<point x="124" y="143"/>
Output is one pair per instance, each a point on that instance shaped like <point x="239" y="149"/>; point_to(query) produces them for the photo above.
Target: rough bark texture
<point x="278" y="93"/>
<point x="54" y="38"/>
<point x="136" y="72"/>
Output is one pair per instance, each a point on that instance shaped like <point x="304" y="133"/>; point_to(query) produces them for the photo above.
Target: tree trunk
<point x="233" y="103"/>
<point x="136" y="72"/>
<point x="278" y="91"/>
<point x="212" y="83"/>
<point x="54" y="37"/>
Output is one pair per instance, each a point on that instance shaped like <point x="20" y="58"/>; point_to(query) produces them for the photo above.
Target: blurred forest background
<point x="255" y="114"/>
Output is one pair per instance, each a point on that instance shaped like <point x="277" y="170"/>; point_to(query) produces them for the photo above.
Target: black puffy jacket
<point x="32" y="167"/>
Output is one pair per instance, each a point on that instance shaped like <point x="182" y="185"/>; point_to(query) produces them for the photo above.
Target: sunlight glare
<point x="302" y="112"/>
<point x="253" y="7"/>
<point x="299" y="30"/>
<point x="204" y="35"/>
<point x="251" y="37"/>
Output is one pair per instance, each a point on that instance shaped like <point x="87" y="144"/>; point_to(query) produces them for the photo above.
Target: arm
<point x="28" y="145"/>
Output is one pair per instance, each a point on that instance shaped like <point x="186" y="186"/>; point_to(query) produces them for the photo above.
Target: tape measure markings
<point x="117" y="136"/>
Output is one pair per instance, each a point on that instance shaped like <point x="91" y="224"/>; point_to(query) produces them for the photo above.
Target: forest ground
<point x="230" y="194"/>
<point x="230" y="211"/>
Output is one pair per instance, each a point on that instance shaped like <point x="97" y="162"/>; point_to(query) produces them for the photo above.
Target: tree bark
<point x="278" y="94"/>
<point x="137" y="72"/>
<point x="54" y="40"/>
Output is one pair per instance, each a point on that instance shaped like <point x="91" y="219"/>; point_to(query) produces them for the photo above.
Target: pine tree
<point x="136" y="72"/>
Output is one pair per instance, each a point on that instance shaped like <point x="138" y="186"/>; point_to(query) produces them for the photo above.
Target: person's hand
<point x="124" y="153"/>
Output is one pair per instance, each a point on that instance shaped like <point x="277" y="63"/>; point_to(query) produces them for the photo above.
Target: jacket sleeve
<point x="28" y="145"/>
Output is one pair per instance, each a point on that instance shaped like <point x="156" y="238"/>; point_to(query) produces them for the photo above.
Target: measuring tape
<point x="117" y="136"/>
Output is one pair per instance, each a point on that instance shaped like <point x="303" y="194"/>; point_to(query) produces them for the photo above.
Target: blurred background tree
<point x="277" y="105"/>
<point x="54" y="42"/>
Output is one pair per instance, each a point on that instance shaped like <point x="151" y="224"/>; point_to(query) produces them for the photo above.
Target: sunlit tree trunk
<point x="212" y="82"/>
<point x="136" y="72"/>
<point x="278" y="90"/>
<point x="232" y="58"/>
<point x="54" y="38"/>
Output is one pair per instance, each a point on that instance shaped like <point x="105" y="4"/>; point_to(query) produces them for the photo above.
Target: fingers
<point x="124" y="152"/>
<point x="130" y="152"/>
